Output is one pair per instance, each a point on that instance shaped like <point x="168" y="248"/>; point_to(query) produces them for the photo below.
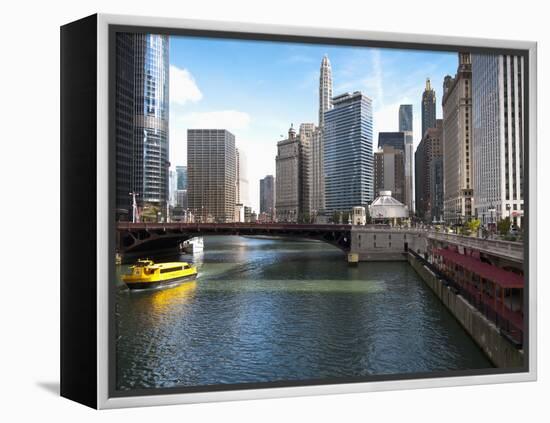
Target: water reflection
<point x="267" y="310"/>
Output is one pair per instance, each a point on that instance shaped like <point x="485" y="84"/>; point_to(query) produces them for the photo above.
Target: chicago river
<point x="266" y="310"/>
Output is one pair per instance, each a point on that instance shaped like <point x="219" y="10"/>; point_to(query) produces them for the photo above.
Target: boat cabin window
<point x="171" y="269"/>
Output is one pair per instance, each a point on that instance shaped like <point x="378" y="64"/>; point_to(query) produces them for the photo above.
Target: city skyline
<point x="206" y="94"/>
<point x="362" y="187"/>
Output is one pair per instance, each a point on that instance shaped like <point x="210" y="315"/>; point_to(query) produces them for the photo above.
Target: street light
<point x="491" y="211"/>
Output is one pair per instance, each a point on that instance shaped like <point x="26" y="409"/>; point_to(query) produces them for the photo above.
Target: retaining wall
<point x="498" y="349"/>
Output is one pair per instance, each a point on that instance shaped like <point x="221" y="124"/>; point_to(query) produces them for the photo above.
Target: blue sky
<point x="256" y="89"/>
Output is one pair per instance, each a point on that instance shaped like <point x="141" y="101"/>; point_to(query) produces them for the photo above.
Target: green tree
<point x="503" y="226"/>
<point x="305" y="218"/>
<point x="472" y="226"/>
<point x="345" y="217"/>
<point x="149" y="213"/>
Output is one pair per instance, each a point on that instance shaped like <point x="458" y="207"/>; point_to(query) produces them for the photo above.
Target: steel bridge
<point x="148" y="237"/>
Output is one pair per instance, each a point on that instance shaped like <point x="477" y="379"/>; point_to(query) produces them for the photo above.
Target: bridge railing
<point x="258" y="226"/>
<point x="504" y="248"/>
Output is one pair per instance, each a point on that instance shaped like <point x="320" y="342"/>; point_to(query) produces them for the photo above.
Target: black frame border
<point x="286" y="38"/>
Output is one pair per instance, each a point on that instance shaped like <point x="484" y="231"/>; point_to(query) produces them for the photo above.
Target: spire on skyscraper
<point x="325" y="89"/>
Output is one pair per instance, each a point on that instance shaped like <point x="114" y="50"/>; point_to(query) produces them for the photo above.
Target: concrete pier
<point x="498" y="349"/>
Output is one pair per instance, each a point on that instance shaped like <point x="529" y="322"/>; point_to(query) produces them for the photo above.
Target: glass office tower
<point x="348" y="155"/>
<point x="142" y="66"/>
<point x="405" y="118"/>
<point x="151" y="118"/>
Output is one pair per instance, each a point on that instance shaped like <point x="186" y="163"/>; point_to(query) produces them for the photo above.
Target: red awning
<point x="501" y="277"/>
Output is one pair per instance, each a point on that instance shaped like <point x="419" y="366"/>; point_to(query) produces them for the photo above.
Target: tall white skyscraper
<point x="325" y="89"/>
<point x="497" y="92"/>
<point x="316" y="167"/>
<point x="242" y="190"/>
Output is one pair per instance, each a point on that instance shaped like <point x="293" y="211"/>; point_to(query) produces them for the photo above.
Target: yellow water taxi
<point x="146" y="274"/>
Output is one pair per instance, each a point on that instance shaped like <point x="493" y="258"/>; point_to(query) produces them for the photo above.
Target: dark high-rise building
<point x="430" y="148"/>
<point x="124" y="118"/>
<point x="141" y="113"/>
<point x="436" y="189"/>
<point x="392" y="139"/>
<point x="211" y="174"/>
<point x="267" y="195"/>
<point x="389" y="172"/>
<point x="405" y="118"/>
<point x="428" y="107"/>
<point x="181" y="176"/>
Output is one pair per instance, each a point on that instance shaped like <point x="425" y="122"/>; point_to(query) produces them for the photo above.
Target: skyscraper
<point x="348" y="158"/>
<point x="393" y="139"/>
<point x="292" y="190"/>
<point x="317" y="172"/>
<point x="389" y="172"/>
<point x="151" y="118"/>
<point x="457" y="137"/>
<point x="141" y="113"/>
<point x="428" y="107"/>
<point x="306" y="135"/>
<point x="409" y="173"/>
<point x="405" y="118"/>
<point x="211" y="167"/>
<point x="497" y="145"/>
<point x="124" y="116"/>
<point x="181" y="191"/>
<point x="267" y="196"/>
<point x="436" y="189"/>
<point x="406" y="126"/>
<point x="181" y="172"/>
<point x="429" y="149"/>
<point x="325" y="89"/>
<point x="242" y="190"/>
<point x="317" y="193"/>
<point x="173" y="182"/>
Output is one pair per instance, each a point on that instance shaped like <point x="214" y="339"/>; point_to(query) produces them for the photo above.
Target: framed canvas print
<point x="253" y="211"/>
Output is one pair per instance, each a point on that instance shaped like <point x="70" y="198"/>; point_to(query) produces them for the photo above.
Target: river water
<point x="265" y="310"/>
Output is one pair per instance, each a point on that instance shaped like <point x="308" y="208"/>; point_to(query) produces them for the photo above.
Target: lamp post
<point x="491" y="211"/>
<point x="135" y="212"/>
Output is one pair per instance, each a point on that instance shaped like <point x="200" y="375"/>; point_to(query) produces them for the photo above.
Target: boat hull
<point x="142" y="285"/>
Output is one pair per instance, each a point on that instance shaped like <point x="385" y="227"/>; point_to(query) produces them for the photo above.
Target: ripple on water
<point x="269" y="310"/>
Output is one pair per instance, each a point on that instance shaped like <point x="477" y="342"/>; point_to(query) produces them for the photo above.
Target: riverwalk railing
<point x="509" y="329"/>
<point x="506" y="249"/>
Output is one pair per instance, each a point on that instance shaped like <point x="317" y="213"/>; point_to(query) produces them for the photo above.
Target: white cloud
<point x="183" y="88"/>
<point x="232" y="120"/>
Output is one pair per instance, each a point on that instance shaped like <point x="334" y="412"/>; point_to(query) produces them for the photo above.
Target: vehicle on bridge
<point x="146" y="274"/>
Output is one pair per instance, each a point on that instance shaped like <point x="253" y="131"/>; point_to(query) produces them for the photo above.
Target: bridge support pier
<point x="353" y="259"/>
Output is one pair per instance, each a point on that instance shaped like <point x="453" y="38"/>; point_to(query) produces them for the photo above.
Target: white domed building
<point x="386" y="209"/>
